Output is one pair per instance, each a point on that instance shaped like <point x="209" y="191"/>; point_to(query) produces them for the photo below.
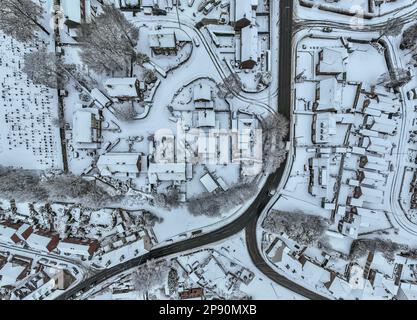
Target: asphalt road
<point x="284" y="102"/>
<point x="249" y="218"/>
<point x="234" y="227"/>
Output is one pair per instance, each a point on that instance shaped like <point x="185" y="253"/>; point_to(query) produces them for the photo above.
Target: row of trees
<point x="45" y="68"/>
<point x="107" y="44"/>
<point x="303" y="228"/>
<point x="409" y="42"/>
<point x="149" y="275"/>
<point x="409" y="38"/>
<point x="361" y="247"/>
<point x="395" y="79"/>
<point x="212" y="205"/>
<point x="27" y="186"/>
<point x="21" y="19"/>
<point x="275" y="129"/>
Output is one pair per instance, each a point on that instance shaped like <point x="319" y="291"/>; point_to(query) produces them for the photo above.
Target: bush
<point x="213" y="204"/>
<point x="302" y="228"/>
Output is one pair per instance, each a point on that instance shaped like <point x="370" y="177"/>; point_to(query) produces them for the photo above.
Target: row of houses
<point x="45" y="241"/>
<point x="244" y="23"/>
<point x="355" y="281"/>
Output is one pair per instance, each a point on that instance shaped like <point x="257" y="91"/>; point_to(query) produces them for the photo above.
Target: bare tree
<point x="173" y="280"/>
<point x="26" y="186"/>
<point x="361" y="247"/>
<point x="125" y="111"/>
<point x="45" y="68"/>
<point x="77" y="189"/>
<point x="274" y="129"/>
<point x="213" y="204"/>
<point x="20" y="19"/>
<point x="230" y="86"/>
<point x="303" y="228"/>
<point x="391" y="28"/>
<point x="57" y="122"/>
<point x="21" y="185"/>
<point x="108" y="43"/>
<point x="409" y="38"/>
<point x="150" y="274"/>
<point x="395" y="79"/>
<point x="169" y="199"/>
<point x="141" y="58"/>
<point x="149" y="76"/>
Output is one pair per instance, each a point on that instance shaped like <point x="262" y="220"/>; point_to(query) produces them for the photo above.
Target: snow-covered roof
<point x="24" y="231"/>
<point x="119" y="163"/>
<point x="340" y="288"/>
<point x="122" y="87"/>
<point x="41" y="242"/>
<point x="163" y="38"/>
<point x="74" y="248"/>
<point x="82" y="126"/>
<point x="324" y="127"/>
<point x="202" y="92"/>
<point x="332" y="61"/>
<point x="208" y="182"/>
<point x="72" y="10"/>
<point x="99" y="97"/>
<point x="249" y="44"/>
<point x="244" y="9"/>
<point x="330" y="95"/>
<point x="6" y="233"/>
<point x="130" y="3"/>
<point x="9" y="274"/>
<point x="206" y="118"/>
<point x="148" y="3"/>
<point x="314" y="273"/>
<point x="166" y="172"/>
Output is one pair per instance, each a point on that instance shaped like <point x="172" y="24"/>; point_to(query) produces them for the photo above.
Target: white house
<point x="249" y="47"/>
<point x="119" y="164"/>
<point x="209" y="183"/>
<point x="76" y="11"/>
<point x="86" y="129"/>
<point x="123" y="88"/>
<point x="163" y="41"/>
<point x="166" y="172"/>
<point x="331" y="61"/>
<point x="328" y="95"/>
<point x="244" y="12"/>
<point x="71" y="247"/>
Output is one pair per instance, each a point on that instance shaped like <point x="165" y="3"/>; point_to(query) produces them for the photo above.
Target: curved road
<point x="249" y="218"/>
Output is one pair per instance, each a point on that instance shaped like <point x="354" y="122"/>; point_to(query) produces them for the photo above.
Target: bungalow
<point x="14" y="232"/>
<point x="202" y="96"/>
<point x="249" y="47"/>
<point x="42" y="241"/>
<point x="331" y="62"/>
<point x="8" y="233"/>
<point x="244" y="12"/>
<point x="209" y="183"/>
<point x="166" y="172"/>
<point x="328" y="95"/>
<point x="86" y="129"/>
<point x="119" y="164"/>
<point x="76" y="12"/>
<point x="163" y="41"/>
<point x="72" y="246"/>
<point x="10" y="274"/>
<point x="124" y="88"/>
